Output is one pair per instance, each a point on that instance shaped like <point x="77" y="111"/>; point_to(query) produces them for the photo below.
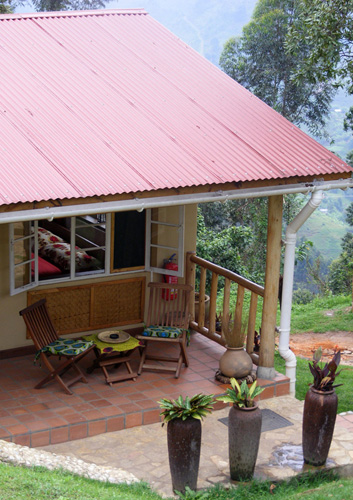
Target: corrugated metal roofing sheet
<point x="109" y="102"/>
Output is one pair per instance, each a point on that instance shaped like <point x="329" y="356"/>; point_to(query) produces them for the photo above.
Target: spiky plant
<point x="196" y="407"/>
<point x="241" y="395"/>
<point x="324" y="377"/>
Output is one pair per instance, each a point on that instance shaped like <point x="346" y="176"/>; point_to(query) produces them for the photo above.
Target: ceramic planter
<point x="235" y="362"/>
<point x="319" y="417"/>
<point x="244" y="431"/>
<point x="184" y="447"/>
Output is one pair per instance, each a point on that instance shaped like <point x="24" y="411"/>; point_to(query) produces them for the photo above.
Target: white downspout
<point x="287" y="288"/>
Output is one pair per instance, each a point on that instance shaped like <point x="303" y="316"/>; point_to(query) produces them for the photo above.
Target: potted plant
<point x="235" y="362"/>
<point x="320" y="409"/>
<point x="244" y="429"/>
<point x="183" y="417"/>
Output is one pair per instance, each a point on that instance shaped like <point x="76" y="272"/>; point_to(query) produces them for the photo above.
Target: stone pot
<point x="235" y="362"/>
<point x="184" y="447"/>
<point x="244" y="432"/>
<point x="319" y="417"/>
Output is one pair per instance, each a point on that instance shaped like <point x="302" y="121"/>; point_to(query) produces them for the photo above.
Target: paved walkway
<point x="142" y="450"/>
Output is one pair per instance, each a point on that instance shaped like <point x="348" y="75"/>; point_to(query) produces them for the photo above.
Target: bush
<point x="302" y="296"/>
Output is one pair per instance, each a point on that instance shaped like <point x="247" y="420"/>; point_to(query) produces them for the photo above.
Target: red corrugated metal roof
<point x="109" y="102"/>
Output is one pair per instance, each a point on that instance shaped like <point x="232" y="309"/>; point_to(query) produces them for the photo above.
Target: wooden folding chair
<point x="168" y="323"/>
<point x="43" y="333"/>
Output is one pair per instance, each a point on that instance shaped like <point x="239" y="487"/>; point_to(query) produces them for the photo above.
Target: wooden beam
<point x="269" y="312"/>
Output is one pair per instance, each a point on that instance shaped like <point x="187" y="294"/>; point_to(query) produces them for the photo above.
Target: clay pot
<point x="244" y="432"/>
<point x="235" y="362"/>
<point x="184" y="447"/>
<point x="319" y="417"/>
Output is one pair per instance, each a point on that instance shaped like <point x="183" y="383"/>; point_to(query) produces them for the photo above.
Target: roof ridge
<point x="72" y="13"/>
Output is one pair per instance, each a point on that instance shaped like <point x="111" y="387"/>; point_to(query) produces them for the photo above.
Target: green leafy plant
<point x="241" y="395"/>
<point x="192" y="495"/>
<point x="196" y="407"/>
<point x="324" y="378"/>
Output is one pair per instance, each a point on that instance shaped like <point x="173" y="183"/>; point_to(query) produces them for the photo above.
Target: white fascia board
<point x="167" y="201"/>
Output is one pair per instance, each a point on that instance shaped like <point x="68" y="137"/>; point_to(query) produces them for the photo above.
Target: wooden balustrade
<point x="207" y="326"/>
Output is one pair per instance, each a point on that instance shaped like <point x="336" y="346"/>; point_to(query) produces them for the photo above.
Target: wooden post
<point x="273" y="258"/>
<point x="213" y="302"/>
<point x="190" y="280"/>
<point x="251" y="324"/>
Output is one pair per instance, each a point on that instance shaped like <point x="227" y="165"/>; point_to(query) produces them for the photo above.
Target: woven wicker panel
<point x="69" y="308"/>
<point x="90" y="307"/>
<point x="118" y="303"/>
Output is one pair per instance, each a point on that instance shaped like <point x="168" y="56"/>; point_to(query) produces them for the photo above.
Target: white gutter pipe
<point x="287" y="289"/>
<point x="165" y="201"/>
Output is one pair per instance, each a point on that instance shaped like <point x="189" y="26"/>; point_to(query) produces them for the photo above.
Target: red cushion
<point x="45" y="268"/>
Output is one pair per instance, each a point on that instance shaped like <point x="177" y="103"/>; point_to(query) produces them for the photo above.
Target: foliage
<point x="38" y="483"/>
<point x="304" y="380"/>
<point x="196" y="407"/>
<point x="341" y="270"/>
<point x="257" y="60"/>
<point x="315" y="274"/>
<point x="227" y="325"/>
<point x="56" y="5"/>
<point x="324" y="378"/>
<point x="234" y="234"/>
<point x="302" y="296"/>
<point x="227" y="248"/>
<point x="341" y="274"/>
<point x="241" y="395"/>
<point x="6" y="7"/>
<point x="327" y="28"/>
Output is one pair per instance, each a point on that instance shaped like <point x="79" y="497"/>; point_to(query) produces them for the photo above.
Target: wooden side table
<point x="108" y="354"/>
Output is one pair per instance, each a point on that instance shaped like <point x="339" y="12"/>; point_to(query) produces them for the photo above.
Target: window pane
<point x="54" y="242"/>
<point x="22" y="254"/>
<point x="90" y="244"/>
<point x="54" y="249"/>
<point x="23" y="275"/>
<point x="129" y="240"/>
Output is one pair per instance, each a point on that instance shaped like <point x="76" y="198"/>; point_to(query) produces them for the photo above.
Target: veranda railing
<point x="208" y="328"/>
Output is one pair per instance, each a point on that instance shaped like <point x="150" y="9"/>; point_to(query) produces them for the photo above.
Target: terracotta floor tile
<point x="129" y="408"/>
<point x="147" y="403"/>
<point x="94" y="414"/>
<point x="110" y="411"/>
<point x="50" y="413"/>
<point x="90" y="396"/>
<point x="37" y="425"/>
<point x="17" y="429"/>
<point x="74" y="418"/>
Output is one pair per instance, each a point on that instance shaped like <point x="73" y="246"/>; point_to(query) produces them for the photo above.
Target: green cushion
<point x="162" y="331"/>
<point x="65" y="347"/>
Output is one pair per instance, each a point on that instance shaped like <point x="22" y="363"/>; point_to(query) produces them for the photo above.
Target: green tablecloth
<point x="104" y="347"/>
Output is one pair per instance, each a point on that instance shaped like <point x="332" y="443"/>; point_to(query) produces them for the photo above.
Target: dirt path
<point x="305" y="344"/>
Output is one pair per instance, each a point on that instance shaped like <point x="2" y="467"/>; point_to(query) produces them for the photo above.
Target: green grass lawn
<point x="313" y="317"/>
<point x="37" y="483"/>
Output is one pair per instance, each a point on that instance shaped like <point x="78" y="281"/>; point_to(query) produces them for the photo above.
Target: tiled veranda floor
<point x="35" y="417"/>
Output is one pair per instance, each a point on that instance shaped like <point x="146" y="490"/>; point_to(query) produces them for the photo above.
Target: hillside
<point x="203" y="24"/>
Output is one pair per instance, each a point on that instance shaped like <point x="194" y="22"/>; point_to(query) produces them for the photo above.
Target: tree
<point x="54" y="5"/>
<point x="258" y="60"/>
<point x="327" y="27"/>
<point x="6" y="7"/>
<point x="341" y="269"/>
